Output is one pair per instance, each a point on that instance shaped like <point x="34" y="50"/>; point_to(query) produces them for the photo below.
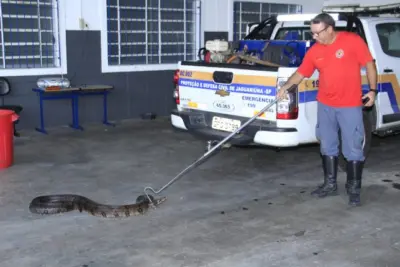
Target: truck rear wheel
<point x="368" y="117"/>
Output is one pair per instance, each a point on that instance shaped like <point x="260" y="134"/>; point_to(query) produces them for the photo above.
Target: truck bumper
<point x="198" y="123"/>
<point x="177" y="121"/>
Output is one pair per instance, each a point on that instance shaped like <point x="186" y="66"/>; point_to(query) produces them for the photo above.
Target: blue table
<point x="73" y="93"/>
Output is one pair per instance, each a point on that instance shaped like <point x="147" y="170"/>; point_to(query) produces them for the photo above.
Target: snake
<point x="61" y="203"/>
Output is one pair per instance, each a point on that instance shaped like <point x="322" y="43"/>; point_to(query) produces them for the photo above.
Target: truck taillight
<point x="176" y="90"/>
<point x="287" y="109"/>
<point x="176" y="77"/>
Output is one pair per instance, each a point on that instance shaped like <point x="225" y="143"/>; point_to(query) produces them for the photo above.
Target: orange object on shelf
<point x="53" y="88"/>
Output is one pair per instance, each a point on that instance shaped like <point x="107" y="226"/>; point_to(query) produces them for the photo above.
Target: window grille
<point x="151" y="31"/>
<point x="29" y="34"/>
<point x="250" y="12"/>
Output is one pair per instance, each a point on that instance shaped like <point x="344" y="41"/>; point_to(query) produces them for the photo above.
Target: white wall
<point x="89" y="10"/>
<point x="362" y="3"/>
<point x="217" y="15"/>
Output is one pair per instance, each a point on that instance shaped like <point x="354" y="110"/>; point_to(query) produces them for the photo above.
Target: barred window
<point x="151" y="31"/>
<point x="250" y="12"/>
<point x="29" y="34"/>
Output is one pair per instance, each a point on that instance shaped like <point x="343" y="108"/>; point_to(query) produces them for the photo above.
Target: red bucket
<point x="7" y="118"/>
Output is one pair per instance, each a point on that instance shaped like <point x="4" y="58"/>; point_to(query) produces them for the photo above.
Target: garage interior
<point x="245" y="206"/>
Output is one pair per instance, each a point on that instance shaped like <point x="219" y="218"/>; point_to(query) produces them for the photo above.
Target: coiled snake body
<point x="53" y="204"/>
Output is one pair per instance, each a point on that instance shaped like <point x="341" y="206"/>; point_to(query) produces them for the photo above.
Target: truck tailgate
<point x="232" y="90"/>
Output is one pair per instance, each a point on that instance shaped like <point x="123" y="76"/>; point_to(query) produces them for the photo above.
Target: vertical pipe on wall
<point x="147" y="33"/>
<point x="3" y="52"/>
<point x="55" y="29"/>
<point x="159" y="31"/>
<point x="119" y="32"/>
<point x="198" y="37"/>
<point x="40" y="33"/>
<point x="184" y="29"/>
<point x="240" y="21"/>
<point x="269" y="10"/>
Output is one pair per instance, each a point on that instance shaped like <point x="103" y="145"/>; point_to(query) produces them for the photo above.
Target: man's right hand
<point x="296" y="78"/>
<point x="282" y="92"/>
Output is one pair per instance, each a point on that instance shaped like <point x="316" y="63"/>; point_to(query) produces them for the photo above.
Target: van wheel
<point x="368" y="116"/>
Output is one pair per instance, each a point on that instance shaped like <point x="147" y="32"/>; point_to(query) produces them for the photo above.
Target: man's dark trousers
<point x="350" y="122"/>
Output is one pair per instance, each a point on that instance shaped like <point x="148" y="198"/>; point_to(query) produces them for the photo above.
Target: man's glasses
<point x="316" y="34"/>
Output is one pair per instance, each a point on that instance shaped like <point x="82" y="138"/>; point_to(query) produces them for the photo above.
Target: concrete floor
<point x="244" y="207"/>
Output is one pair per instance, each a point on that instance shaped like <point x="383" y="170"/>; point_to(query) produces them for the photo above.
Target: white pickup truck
<point x="215" y="96"/>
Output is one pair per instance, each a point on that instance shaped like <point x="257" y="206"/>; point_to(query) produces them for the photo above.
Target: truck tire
<point x="368" y="117"/>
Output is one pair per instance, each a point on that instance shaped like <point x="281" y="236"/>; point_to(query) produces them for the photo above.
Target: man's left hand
<point x="371" y="96"/>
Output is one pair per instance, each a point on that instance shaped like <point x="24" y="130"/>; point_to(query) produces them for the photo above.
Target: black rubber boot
<point x="353" y="185"/>
<point x="329" y="187"/>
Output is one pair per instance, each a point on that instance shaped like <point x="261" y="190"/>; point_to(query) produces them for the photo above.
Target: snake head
<point x="158" y="201"/>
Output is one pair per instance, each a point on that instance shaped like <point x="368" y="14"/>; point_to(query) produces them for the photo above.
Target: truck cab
<point x="213" y="98"/>
<point x="381" y="33"/>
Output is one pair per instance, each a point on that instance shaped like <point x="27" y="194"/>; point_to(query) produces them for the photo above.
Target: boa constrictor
<point x="53" y="204"/>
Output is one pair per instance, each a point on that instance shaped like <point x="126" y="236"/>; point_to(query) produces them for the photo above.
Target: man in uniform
<point x="338" y="56"/>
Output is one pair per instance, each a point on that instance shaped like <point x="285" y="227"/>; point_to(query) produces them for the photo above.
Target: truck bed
<point x="256" y="67"/>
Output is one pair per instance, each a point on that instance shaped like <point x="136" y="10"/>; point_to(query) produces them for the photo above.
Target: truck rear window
<point x="389" y="38"/>
<point x="297" y="33"/>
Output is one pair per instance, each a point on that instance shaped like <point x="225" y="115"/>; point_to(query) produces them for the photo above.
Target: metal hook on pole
<point x="213" y="148"/>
